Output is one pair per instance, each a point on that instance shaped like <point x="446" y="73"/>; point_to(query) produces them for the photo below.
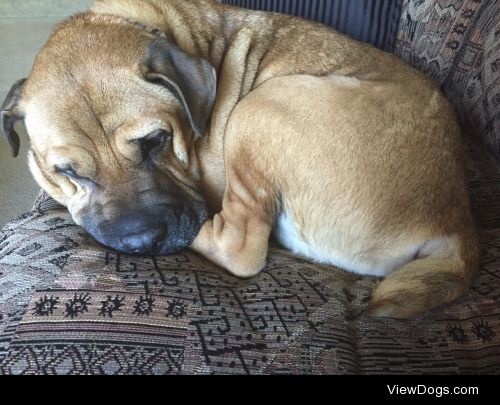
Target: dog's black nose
<point x="158" y="230"/>
<point x="135" y="234"/>
<point x="143" y="242"/>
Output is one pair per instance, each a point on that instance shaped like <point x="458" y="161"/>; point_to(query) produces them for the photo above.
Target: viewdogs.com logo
<point x="433" y="391"/>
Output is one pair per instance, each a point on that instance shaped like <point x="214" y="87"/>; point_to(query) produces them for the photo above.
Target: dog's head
<point x="112" y="111"/>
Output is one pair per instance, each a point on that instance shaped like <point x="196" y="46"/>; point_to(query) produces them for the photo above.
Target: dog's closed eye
<point x="69" y="171"/>
<point x="153" y="143"/>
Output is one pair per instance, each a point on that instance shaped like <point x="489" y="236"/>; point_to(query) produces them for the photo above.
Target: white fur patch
<point x="344" y="80"/>
<point x="286" y="232"/>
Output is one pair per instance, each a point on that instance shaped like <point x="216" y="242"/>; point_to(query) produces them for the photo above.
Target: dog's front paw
<point x="231" y="247"/>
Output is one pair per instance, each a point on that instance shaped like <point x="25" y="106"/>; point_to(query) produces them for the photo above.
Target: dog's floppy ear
<point x="9" y="114"/>
<point x="191" y="79"/>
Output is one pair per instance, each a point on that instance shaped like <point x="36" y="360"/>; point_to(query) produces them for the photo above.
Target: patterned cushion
<point x="484" y="185"/>
<point x="373" y="21"/>
<point x="457" y="43"/>
<point x="69" y="306"/>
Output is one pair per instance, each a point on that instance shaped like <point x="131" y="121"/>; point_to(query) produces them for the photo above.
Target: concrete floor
<point x="25" y="25"/>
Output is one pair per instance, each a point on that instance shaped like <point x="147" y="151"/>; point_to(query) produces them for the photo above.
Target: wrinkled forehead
<point x="74" y="121"/>
<point x="102" y="98"/>
<point x="88" y="65"/>
<point x="92" y="106"/>
<point x="87" y="88"/>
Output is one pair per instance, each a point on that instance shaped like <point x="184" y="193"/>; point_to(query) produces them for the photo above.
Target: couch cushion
<point x="68" y="305"/>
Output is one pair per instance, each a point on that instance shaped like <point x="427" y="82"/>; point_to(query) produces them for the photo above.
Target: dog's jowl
<point x="166" y="124"/>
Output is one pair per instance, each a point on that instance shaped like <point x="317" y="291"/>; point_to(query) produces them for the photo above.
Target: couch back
<point x="373" y="21"/>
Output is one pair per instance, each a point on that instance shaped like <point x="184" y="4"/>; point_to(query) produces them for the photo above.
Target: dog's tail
<point x="442" y="271"/>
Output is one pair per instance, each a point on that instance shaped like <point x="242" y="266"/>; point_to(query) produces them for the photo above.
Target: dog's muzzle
<point x="158" y="230"/>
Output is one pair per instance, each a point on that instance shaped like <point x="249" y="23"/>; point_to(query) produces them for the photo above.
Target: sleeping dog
<point x="165" y="124"/>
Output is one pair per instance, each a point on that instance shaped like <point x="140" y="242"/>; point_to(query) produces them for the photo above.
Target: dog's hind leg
<point x="442" y="271"/>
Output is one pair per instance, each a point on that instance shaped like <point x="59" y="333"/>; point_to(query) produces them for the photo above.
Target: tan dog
<point x="143" y="113"/>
